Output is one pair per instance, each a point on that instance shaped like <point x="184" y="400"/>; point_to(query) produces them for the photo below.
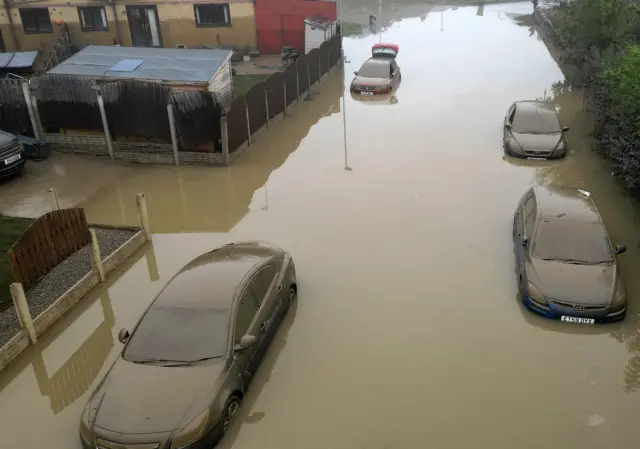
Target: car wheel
<point x="293" y="295"/>
<point x="230" y="409"/>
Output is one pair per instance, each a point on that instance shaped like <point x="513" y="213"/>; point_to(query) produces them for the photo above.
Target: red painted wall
<point x="281" y="22"/>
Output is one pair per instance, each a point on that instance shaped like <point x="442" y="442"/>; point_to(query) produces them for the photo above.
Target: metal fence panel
<point x="14" y="115"/>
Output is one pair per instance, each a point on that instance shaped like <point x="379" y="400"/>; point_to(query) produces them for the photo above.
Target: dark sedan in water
<point x="186" y="366"/>
<point x="532" y="130"/>
<point x="565" y="262"/>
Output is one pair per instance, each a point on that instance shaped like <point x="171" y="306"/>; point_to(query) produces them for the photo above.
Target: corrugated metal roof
<point x="158" y="64"/>
<point x="18" y="60"/>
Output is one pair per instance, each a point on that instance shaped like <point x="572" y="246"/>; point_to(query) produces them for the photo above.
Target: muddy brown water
<point x="407" y="333"/>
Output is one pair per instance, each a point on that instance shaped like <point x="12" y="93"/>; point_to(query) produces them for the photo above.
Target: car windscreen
<point x="375" y="69"/>
<point x="179" y="334"/>
<point x="573" y="242"/>
<point x="535" y="121"/>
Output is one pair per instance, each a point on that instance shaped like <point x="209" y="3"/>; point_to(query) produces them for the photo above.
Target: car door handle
<point x="263" y="327"/>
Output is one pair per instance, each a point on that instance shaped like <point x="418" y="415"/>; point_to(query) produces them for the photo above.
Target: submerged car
<point x="532" y="130"/>
<point x="565" y="263"/>
<point x="375" y="100"/>
<point x="12" y="157"/>
<point x="379" y="74"/>
<point x="186" y="365"/>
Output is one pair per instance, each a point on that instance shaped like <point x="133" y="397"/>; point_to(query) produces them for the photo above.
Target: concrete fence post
<point x="95" y="255"/>
<point x="266" y="104"/>
<point x="105" y="125"/>
<point x="54" y="194"/>
<point x="174" y="134"/>
<point x="144" y="216"/>
<point x="22" y="309"/>
<point x="224" y="137"/>
<point x="246" y="113"/>
<point x="32" y="115"/>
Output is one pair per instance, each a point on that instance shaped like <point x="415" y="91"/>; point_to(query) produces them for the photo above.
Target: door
<point x="245" y="323"/>
<point x="269" y="314"/>
<point x="292" y="32"/>
<point x="525" y="222"/>
<point x="144" y="26"/>
<point x="395" y="73"/>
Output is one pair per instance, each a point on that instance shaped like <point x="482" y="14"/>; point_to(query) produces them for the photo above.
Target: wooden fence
<point x="266" y="100"/>
<point x="47" y="242"/>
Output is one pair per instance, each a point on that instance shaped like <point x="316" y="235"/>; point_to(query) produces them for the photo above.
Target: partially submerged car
<point x="375" y="100"/>
<point x="532" y="130"/>
<point x="379" y="74"/>
<point x="188" y="362"/>
<point x="565" y="263"/>
<point x="12" y="157"/>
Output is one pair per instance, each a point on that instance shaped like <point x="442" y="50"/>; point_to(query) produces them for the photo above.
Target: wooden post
<point x="95" y="255"/>
<point x="246" y="113"/>
<point x="224" y="136"/>
<point x="266" y="103"/>
<point x="284" y="95"/>
<point x="56" y="201"/>
<point x="319" y="65"/>
<point x="32" y="116"/>
<point x="174" y="137"/>
<point x="144" y="216"/>
<point x="22" y="309"/>
<point x="105" y="125"/>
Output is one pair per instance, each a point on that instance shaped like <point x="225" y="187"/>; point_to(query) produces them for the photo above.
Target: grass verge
<point x="242" y="83"/>
<point x="11" y="228"/>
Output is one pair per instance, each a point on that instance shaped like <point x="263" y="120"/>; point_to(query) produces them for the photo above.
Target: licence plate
<point x="573" y="319"/>
<point x="537" y="158"/>
<point x="366" y="93"/>
<point x="12" y="159"/>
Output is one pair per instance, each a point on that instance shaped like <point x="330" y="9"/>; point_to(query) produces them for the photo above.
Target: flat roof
<point x="17" y="59"/>
<point x="152" y="64"/>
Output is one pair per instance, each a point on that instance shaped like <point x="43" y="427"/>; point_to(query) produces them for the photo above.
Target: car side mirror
<point x="246" y="342"/>
<point x="565" y="129"/>
<point x="123" y="335"/>
<point x="507" y="125"/>
<point x="620" y="249"/>
<point x="525" y="242"/>
<point x="355" y="72"/>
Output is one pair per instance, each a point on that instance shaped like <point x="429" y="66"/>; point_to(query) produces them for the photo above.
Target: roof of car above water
<point x="566" y="203"/>
<point x="534" y="106"/>
<point x="211" y="280"/>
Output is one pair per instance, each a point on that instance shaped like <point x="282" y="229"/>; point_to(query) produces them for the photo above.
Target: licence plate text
<point x="537" y="158"/>
<point x="366" y="93"/>
<point x="12" y="159"/>
<point x="573" y="319"/>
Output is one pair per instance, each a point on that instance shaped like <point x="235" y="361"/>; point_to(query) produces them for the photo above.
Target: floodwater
<point x="407" y="333"/>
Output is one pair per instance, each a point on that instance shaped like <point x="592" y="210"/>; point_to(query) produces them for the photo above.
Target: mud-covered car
<point x="380" y="74"/>
<point x="12" y="157"/>
<point x="187" y="364"/>
<point x="532" y="130"/>
<point x="565" y="262"/>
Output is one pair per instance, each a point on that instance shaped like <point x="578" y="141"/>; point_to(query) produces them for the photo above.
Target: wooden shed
<point x="317" y="29"/>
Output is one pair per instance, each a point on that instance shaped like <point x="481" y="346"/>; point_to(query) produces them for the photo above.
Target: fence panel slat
<point x="313" y="65"/>
<point x="275" y="93"/>
<point x="46" y="243"/>
<point x="257" y="107"/>
<point x="290" y="80"/>
<point x="236" y="124"/>
<point x="302" y="64"/>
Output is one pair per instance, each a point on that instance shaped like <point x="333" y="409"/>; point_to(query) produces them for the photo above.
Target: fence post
<point x="297" y="82"/>
<point x="32" y="116"/>
<point x="172" y="129"/>
<point x="246" y="113"/>
<point x="54" y="193"/>
<point x="36" y="113"/>
<point x="284" y="95"/>
<point x="266" y="103"/>
<point x="22" y="309"/>
<point x="95" y="253"/>
<point x="224" y="137"/>
<point x="319" y="65"/>
<point x="105" y="125"/>
<point x="308" y="78"/>
<point x="144" y="216"/>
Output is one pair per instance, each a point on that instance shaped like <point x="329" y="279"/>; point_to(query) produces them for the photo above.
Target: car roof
<point x="566" y="203"/>
<point x="378" y="61"/>
<point x="211" y="280"/>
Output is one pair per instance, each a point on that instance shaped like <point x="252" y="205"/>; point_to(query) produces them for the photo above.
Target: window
<point x="244" y="316"/>
<point x="36" y="20"/>
<point x="529" y="212"/>
<point x="93" y="18"/>
<point x="261" y="282"/>
<point x="212" y="15"/>
<point x="512" y="113"/>
<point x="179" y="334"/>
<point x="572" y="241"/>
